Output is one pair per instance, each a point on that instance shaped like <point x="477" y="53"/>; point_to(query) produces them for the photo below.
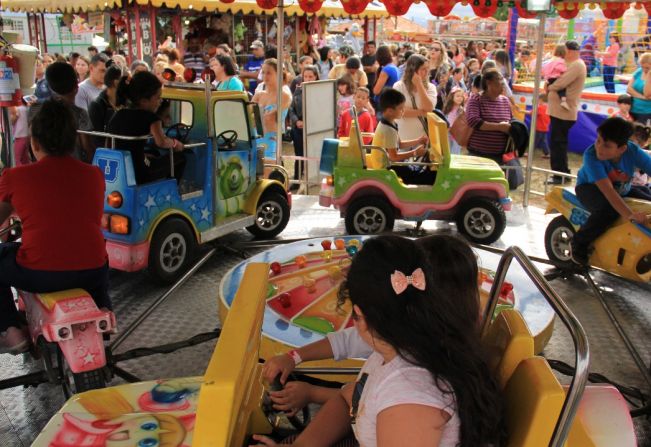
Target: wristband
<point x="294" y="355"/>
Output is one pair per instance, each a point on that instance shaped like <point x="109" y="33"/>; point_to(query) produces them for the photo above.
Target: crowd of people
<point x="408" y="297"/>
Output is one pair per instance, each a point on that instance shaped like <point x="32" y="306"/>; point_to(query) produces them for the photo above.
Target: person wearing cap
<point x="562" y="119"/>
<point x="352" y="66"/>
<point x="253" y="65"/>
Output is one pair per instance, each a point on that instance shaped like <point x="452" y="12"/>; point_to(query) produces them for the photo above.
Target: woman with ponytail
<point x="140" y="96"/>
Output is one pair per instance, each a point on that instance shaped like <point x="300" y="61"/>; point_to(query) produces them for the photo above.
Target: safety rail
<point x="113" y="137"/>
<point x="579" y="338"/>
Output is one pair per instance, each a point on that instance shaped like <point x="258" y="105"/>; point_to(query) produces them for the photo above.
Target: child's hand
<point x="280" y="364"/>
<point x="640" y="217"/>
<point x="416" y="79"/>
<point x="295" y="396"/>
<point x="421" y="151"/>
<point x="423" y="139"/>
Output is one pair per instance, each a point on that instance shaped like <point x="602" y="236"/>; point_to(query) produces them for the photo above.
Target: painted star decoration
<point x="445" y="185"/>
<point x="89" y="358"/>
<point x="150" y="202"/>
<point x="205" y="213"/>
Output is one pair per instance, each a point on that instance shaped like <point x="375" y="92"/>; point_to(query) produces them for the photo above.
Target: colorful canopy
<point x="328" y="8"/>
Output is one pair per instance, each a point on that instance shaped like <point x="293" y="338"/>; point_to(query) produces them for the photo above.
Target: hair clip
<point x="399" y="281"/>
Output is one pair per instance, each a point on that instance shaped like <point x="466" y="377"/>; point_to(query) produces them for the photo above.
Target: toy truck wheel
<point x="271" y="216"/>
<point x="73" y="383"/>
<point x="481" y="220"/>
<point x="171" y="250"/>
<point x="369" y="215"/>
<point x="558" y="235"/>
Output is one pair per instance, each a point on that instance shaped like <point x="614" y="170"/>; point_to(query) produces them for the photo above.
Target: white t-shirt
<point x="411" y="128"/>
<point x="87" y="94"/>
<point x="347" y="344"/>
<point x="397" y="383"/>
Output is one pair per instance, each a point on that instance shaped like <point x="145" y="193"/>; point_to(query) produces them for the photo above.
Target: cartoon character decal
<point x="161" y="416"/>
<point x="233" y="183"/>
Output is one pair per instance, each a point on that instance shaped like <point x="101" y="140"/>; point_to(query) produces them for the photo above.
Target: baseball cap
<point x="572" y="45"/>
<point x="257" y="44"/>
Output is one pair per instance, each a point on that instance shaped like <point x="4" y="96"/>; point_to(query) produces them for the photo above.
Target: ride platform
<point x="193" y="309"/>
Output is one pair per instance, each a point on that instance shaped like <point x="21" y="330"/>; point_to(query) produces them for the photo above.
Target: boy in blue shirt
<point x="604" y="178"/>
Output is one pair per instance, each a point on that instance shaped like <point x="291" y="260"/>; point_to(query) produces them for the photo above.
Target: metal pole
<point x="534" y="106"/>
<point x="129" y="330"/>
<point x="280" y="124"/>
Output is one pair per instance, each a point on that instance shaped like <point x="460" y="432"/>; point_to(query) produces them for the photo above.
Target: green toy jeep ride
<point x="471" y="191"/>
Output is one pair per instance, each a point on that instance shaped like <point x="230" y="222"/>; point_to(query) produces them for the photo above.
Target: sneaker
<point x="565" y="105"/>
<point x="13" y="341"/>
<point x="579" y="257"/>
<point x="545" y="156"/>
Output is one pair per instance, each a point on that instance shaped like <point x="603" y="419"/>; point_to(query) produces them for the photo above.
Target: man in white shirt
<point x="93" y="86"/>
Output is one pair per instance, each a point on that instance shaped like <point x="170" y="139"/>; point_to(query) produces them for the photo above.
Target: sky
<point x="420" y="14"/>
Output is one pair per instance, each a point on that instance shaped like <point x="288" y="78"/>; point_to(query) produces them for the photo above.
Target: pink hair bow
<point x="399" y="281"/>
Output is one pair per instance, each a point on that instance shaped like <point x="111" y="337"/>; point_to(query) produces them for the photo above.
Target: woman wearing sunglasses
<point x="426" y="382"/>
<point x="438" y="60"/>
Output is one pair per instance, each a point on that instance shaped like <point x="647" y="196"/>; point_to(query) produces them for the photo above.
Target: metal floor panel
<point x="193" y="309"/>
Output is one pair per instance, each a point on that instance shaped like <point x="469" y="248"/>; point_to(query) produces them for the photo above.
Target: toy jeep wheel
<point x="172" y="248"/>
<point x="369" y="215"/>
<point x="481" y="220"/>
<point x="558" y="236"/>
<point x="271" y="216"/>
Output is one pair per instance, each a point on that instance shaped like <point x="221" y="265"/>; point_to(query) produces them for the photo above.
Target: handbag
<point x="514" y="175"/>
<point x="460" y="130"/>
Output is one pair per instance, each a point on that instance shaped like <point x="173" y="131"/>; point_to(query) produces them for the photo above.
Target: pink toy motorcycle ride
<point x="67" y="331"/>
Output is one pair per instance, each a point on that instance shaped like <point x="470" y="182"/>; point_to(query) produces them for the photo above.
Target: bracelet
<point x="295" y="356"/>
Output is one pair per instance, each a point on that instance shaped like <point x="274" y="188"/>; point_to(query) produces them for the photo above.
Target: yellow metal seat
<point x="533" y="399"/>
<point x="508" y="342"/>
<point x="230" y="396"/>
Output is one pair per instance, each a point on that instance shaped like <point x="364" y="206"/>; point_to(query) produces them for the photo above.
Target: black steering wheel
<point x="227" y="139"/>
<point x="272" y="414"/>
<point x="180" y="131"/>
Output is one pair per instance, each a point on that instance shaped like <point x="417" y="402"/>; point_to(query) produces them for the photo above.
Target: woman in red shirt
<point x="60" y="202"/>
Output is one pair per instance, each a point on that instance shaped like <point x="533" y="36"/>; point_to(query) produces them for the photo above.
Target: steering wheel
<point x="227" y="139"/>
<point x="272" y="414"/>
<point x="180" y="131"/>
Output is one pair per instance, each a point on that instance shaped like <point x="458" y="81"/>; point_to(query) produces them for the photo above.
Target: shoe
<point x="567" y="180"/>
<point x="13" y="341"/>
<point x="579" y="257"/>
<point x="545" y="156"/>
<point x="565" y="105"/>
<point x="554" y="181"/>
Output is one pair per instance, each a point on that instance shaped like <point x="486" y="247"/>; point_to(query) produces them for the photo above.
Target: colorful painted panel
<point x="302" y="297"/>
<point x="145" y="414"/>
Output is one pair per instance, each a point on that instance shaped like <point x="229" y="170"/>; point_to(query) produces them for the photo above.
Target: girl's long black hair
<point x="142" y="85"/>
<point x="436" y="329"/>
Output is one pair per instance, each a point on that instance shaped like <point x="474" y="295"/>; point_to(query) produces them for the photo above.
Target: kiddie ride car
<point x="67" y="332"/>
<point x="469" y="190"/>
<point x="229" y="403"/>
<point x="625" y="249"/>
<point x="159" y="224"/>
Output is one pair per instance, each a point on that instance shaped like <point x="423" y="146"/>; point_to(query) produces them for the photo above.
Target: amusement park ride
<point x="284" y="297"/>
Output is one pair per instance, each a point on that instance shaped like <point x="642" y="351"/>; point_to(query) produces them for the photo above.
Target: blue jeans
<point x="609" y="78"/>
<point x="541" y="142"/>
<point x="94" y="281"/>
